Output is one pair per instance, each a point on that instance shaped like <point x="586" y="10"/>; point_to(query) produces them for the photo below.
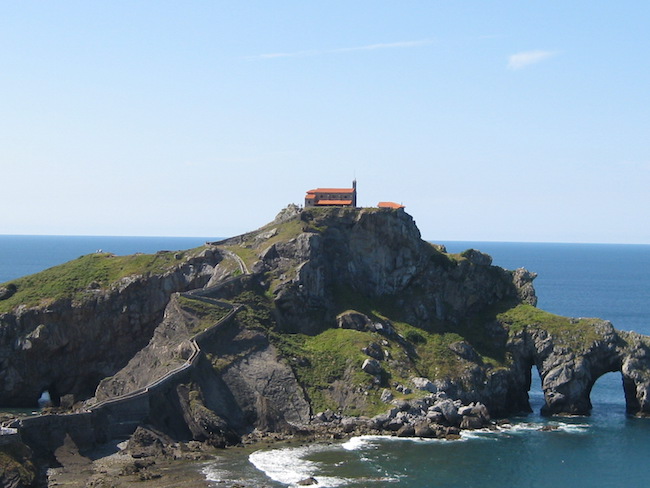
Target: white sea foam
<point x="371" y="441"/>
<point x="489" y="434"/>
<point x="363" y="442"/>
<point x="524" y="427"/>
<point x="215" y="474"/>
<point x="289" y="466"/>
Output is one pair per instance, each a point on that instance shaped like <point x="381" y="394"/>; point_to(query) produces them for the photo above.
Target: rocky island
<point x="325" y="322"/>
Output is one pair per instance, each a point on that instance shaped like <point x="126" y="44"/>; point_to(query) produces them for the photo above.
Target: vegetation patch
<point x="332" y="356"/>
<point x="432" y="359"/>
<point x="252" y="245"/>
<point x="246" y="254"/>
<point x="79" y="278"/>
<point x="206" y="313"/>
<point x="573" y="333"/>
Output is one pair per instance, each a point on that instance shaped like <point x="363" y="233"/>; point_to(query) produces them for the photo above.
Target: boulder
<point x="386" y="396"/>
<point x="407" y="430"/>
<point x="423" y="384"/>
<point x="465" y="410"/>
<point x="308" y="481"/>
<point x="394" y="424"/>
<point x="435" y="417"/>
<point x="472" y="423"/>
<point x="379" y="421"/>
<point x="371" y="366"/>
<point x="479" y="410"/>
<point x="353" y="320"/>
<point x="423" y="429"/>
<point x="449" y="411"/>
<point x="7" y="291"/>
<point x="148" y="442"/>
<point x="402" y="405"/>
<point x="374" y="350"/>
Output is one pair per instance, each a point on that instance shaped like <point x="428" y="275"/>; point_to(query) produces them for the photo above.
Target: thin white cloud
<point x="522" y="60"/>
<point x="369" y="47"/>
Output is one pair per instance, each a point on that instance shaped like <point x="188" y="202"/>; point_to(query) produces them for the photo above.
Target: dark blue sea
<point x="606" y="449"/>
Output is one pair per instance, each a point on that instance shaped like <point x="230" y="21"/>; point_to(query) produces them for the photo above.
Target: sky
<point x="490" y="121"/>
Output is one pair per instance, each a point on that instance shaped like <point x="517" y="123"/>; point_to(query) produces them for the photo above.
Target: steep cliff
<point x="295" y="346"/>
<point x="337" y="310"/>
<point x="65" y="329"/>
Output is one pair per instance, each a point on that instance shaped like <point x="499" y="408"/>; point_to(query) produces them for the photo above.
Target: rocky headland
<point x="327" y="322"/>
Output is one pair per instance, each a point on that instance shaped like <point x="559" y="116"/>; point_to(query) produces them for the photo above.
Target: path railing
<point x="138" y="399"/>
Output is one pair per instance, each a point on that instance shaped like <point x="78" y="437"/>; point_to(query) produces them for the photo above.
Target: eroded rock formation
<point x="67" y="347"/>
<point x="343" y="309"/>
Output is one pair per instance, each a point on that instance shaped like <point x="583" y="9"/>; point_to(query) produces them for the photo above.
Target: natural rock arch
<point x="568" y="374"/>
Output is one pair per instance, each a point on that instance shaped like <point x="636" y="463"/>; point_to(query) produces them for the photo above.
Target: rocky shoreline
<point x="150" y="458"/>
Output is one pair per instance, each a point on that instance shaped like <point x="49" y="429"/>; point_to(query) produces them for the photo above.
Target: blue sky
<point x="501" y="120"/>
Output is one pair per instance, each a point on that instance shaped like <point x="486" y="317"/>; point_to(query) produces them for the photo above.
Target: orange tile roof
<point x="389" y="205"/>
<point x="310" y="195"/>
<point x="334" y="202"/>
<point x="331" y="190"/>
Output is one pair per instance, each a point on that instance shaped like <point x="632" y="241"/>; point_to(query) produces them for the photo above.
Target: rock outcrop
<point x="379" y="254"/>
<point x="67" y="347"/>
<point x="344" y="311"/>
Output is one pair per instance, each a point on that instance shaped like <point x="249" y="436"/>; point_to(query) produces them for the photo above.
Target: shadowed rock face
<point x="379" y="254"/>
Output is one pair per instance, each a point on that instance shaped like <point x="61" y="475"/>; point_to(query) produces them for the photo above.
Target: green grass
<point x="249" y="256"/>
<point x="250" y="249"/>
<point x="573" y="333"/>
<point x="285" y="232"/>
<point x="331" y="356"/>
<point x="335" y="355"/>
<point x="433" y="359"/>
<point x="207" y="314"/>
<point x="74" y="279"/>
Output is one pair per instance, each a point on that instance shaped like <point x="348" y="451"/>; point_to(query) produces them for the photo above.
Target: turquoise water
<point x="606" y="449"/>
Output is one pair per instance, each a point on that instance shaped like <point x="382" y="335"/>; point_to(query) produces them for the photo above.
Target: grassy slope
<point x="206" y="314"/>
<point x="573" y="333"/>
<point x="249" y="249"/>
<point x="72" y="280"/>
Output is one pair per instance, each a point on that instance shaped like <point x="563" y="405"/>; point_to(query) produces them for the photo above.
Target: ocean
<point x="606" y="449"/>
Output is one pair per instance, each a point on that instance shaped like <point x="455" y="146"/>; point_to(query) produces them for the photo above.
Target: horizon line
<point x="434" y="241"/>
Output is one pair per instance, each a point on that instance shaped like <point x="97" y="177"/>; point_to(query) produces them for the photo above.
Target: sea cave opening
<point x="535" y="392"/>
